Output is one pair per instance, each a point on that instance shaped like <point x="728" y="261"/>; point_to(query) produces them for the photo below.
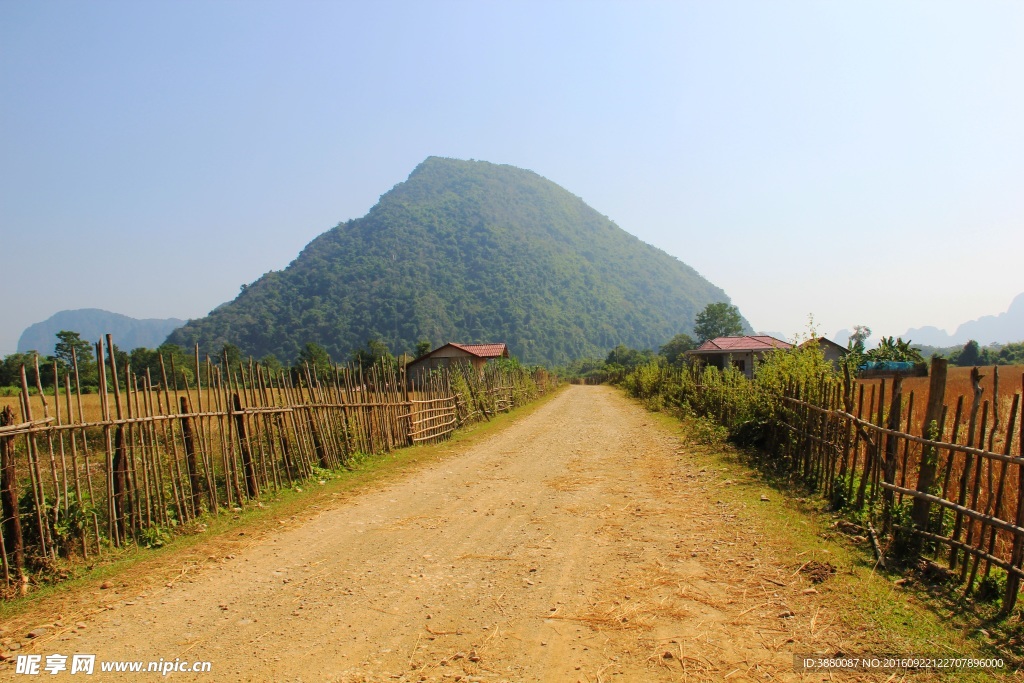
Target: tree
<point x="316" y="357"/>
<point x="626" y="358"/>
<point x="175" y="357"/>
<point x="675" y="349"/>
<point x="10" y="368"/>
<point x="422" y="348"/>
<point x="121" y="358"/>
<point x="969" y="355"/>
<point x="894" y="349"/>
<point x="143" y="359"/>
<point x="375" y="351"/>
<point x="69" y="345"/>
<point x="1009" y="354"/>
<point x="89" y="374"/>
<point x="718" y="320"/>
<point x="271" y="365"/>
<point x="53" y="368"/>
<point x="860" y="335"/>
<point x="230" y="356"/>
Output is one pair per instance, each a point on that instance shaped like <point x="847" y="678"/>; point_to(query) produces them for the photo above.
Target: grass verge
<point x="884" y="617"/>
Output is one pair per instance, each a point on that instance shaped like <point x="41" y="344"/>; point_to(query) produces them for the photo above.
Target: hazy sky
<point x="860" y="161"/>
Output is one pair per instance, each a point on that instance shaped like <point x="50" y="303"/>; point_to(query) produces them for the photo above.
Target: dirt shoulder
<point x="582" y="542"/>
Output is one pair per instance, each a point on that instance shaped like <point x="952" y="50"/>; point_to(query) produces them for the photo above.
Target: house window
<point x="740" y="365"/>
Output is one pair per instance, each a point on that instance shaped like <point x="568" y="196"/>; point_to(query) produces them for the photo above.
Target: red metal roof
<point x="483" y="350"/>
<point x="760" y="342"/>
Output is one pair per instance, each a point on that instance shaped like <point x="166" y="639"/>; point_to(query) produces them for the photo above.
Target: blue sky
<point x="861" y="162"/>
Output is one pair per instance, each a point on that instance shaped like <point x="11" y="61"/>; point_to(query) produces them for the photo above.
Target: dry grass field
<point x="91" y="406"/>
<point x="991" y="486"/>
<point x="958" y="383"/>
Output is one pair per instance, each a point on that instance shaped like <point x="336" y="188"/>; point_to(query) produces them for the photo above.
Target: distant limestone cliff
<point x="1002" y="328"/>
<point x="92" y="324"/>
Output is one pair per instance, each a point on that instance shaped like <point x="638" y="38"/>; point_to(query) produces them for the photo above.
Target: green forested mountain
<point x="466" y="251"/>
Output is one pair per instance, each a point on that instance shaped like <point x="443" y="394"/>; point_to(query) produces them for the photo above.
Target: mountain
<point x="466" y="251"/>
<point x="1002" y="328"/>
<point x="841" y="337"/>
<point x="92" y="324"/>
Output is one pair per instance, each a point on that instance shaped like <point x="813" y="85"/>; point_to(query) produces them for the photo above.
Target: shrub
<point x="747" y="409"/>
<point x="646" y="383"/>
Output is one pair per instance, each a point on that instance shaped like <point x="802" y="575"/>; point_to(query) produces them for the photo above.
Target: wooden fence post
<point x="251" y="486"/>
<point x="1017" y="554"/>
<point x="965" y="476"/>
<point x="188" y="435"/>
<point x="870" y="452"/>
<point x="994" y="505"/>
<point x="34" y="475"/>
<point x="10" y="521"/>
<point x="892" y="444"/>
<point x="929" y="454"/>
<point x="123" y="518"/>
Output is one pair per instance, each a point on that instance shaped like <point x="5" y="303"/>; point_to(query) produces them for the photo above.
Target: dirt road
<point x="578" y="543"/>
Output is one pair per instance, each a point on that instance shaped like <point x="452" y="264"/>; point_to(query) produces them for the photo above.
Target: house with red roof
<point x="737" y="352"/>
<point x="477" y="355"/>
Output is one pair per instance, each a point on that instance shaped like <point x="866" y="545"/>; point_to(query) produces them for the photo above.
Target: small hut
<point x="477" y="355"/>
<point x="737" y="352"/>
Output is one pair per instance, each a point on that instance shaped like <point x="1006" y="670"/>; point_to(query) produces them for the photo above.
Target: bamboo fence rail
<point x="162" y="456"/>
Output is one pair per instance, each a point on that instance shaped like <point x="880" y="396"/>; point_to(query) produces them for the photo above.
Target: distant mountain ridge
<point x="466" y="251"/>
<point x="1002" y="328"/>
<point x="92" y="324"/>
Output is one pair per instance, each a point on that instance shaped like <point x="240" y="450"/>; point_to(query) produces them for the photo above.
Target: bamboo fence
<point x="160" y="457"/>
<point x="940" y="474"/>
<point x="953" y="491"/>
